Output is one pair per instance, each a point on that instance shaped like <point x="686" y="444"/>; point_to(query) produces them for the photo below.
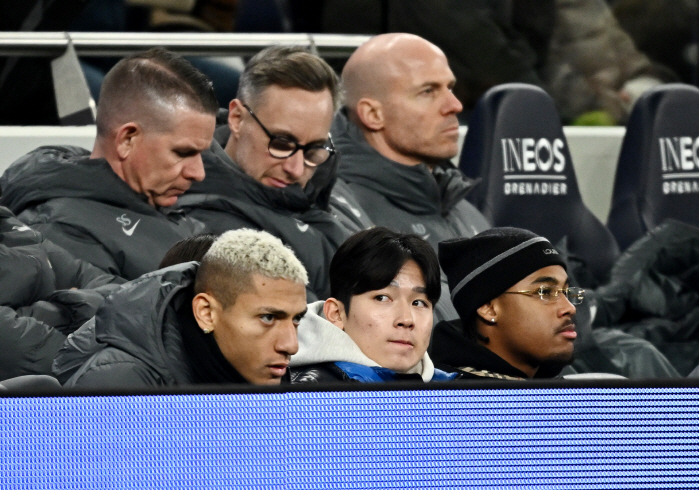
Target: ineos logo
<point x="679" y="153"/>
<point x="550" y="251"/>
<point x="680" y="164"/>
<point x="530" y="155"/>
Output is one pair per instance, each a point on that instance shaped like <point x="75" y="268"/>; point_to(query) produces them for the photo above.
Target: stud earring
<point x="206" y="330"/>
<point x="492" y="320"/>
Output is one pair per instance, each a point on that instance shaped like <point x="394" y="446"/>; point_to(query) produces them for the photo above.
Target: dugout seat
<point x="657" y="176"/>
<point x="515" y="145"/>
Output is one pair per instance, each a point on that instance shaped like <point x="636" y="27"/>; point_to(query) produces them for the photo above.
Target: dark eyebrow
<point x="550" y="280"/>
<point x="545" y="279"/>
<point x="289" y="136"/>
<point x="270" y="310"/>
<point x="420" y="289"/>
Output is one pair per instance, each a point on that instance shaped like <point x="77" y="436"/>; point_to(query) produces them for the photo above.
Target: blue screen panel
<point x="558" y="438"/>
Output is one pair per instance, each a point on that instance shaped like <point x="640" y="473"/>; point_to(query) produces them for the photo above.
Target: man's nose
<point x="565" y="306"/>
<point x="287" y="341"/>
<point x="294" y="165"/>
<point x="194" y="169"/>
<point x="452" y="104"/>
<point x="404" y="316"/>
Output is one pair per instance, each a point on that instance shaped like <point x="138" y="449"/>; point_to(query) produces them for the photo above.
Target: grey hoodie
<point x="320" y="341"/>
<point x="374" y="189"/>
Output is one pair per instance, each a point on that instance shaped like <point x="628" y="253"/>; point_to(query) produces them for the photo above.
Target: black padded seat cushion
<point x="516" y="146"/>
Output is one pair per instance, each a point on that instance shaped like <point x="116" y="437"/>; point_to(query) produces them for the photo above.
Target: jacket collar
<point x="224" y="177"/>
<point x="52" y="172"/>
<point x="450" y="346"/>
<point x="415" y="189"/>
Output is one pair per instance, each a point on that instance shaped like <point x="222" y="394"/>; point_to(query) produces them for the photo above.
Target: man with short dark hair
<point x="376" y="326"/>
<point x="110" y="207"/>
<point x="273" y="166"/>
<point x="517" y="310"/>
<point x="232" y="319"/>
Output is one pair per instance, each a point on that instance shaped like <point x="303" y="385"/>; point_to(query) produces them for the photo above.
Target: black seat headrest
<point x="515" y="144"/>
<point x="657" y="175"/>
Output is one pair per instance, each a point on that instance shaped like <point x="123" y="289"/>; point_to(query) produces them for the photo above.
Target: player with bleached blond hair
<point x="230" y="319"/>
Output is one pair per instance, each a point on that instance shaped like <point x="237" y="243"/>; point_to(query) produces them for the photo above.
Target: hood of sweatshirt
<point x="321" y="341"/>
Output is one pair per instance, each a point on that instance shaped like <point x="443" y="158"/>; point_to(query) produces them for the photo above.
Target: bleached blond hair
<point x="226" y="270"/>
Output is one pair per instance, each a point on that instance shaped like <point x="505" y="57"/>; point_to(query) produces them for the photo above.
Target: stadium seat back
<point x="657" y="175"/>
<point x="516" y="146"/>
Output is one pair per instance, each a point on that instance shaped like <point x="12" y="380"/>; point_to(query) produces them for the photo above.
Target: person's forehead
<point x="419" y="68"/>
<point x="292" y="109"/>
<point x="549" y="275"/>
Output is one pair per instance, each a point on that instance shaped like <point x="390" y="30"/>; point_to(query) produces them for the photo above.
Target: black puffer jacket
<point x="34" y="317"/>
<point x="84" y="207"/>
<point x="654" y="293"/>
<point x="229" y="199"/>
<point x="145" y="335"/>
<point x="134" y="338"/>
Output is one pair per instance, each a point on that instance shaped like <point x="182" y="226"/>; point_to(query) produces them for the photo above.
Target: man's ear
<point x="334" y="312"/>
<point x="488" y="313"/>
<point x="206" y="310"/>
<point x="370" y="113"/>
<point x="125" y="138"/>
<point x="235" y="116"/>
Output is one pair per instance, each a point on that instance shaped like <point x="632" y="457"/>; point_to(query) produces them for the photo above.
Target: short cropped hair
<point x="227" y="268"/>
<point x="288" y="67"/>
<point x="371" y="259"/>
<point x="190" y="249"/>
<point x="157" y="75"/>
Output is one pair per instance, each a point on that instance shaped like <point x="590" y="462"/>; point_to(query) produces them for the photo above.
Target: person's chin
<point x="565" y="356"/>
<point x="166" y="201"/>
<point x="275" y="183"/>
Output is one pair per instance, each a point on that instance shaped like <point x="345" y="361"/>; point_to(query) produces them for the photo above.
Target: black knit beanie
<point x="481" y="268"/>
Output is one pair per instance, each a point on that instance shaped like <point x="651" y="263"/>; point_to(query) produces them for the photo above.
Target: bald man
<point x="396" y="134"/>
<point x="395" y="137"/>
<point x="110" y="207"/>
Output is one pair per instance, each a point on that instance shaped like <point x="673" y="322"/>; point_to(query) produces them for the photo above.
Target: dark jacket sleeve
<point x="28" y="345"/>
<point x="76" y="241"/>
<point x="75" y="273"/>
<point x="112" y="368"/>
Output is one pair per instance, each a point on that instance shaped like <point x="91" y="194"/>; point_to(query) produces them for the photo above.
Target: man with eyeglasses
<point x="516" y="308"/>
<point x="272" y="166"/>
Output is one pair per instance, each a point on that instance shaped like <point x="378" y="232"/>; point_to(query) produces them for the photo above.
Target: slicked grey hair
<point x="288" y="67"/>
<point x="226" y="270"/>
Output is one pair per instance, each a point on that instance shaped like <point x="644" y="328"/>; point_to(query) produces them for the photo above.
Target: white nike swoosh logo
<point x="302" y="226"/>
<point x="21" y="228"/>
<point x="129" y="231"/>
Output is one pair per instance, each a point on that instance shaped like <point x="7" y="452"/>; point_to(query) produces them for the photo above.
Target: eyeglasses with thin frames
<point x="281" y="147"/>
<point x="550" y="294"/>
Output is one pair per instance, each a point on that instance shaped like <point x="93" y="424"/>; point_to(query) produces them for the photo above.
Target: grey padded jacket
<point x="134" y="339"/>
<point x="38" y="308"/>
<point x="83" y="206"/>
